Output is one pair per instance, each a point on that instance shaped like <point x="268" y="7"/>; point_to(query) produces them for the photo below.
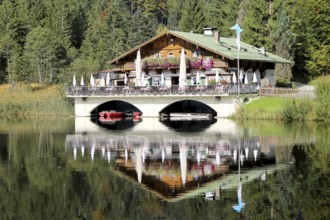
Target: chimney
<point x="216" y="36"/>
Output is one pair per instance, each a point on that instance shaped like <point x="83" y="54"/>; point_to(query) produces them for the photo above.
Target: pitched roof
<point x="226" y="47"/>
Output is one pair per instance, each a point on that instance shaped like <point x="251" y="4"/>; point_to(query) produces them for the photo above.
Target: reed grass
<point x="34" y="100"/>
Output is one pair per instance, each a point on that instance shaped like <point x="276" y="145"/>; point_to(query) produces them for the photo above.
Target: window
<point x="170" y="54"/>
<point x="196" y="53"/>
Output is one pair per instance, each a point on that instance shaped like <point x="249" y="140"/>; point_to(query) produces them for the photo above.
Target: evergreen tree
<point x="193" y="16"/>
<point x="174" y="14"/>
<point x="40" y="56"/>
<point x="256" y="25"/>
<point x="284" y="39"/>
<point x="142" y="25"/>
<point x="319" y="17"/>
<point x="14" y="26"/>
<point x="222" y="15"/>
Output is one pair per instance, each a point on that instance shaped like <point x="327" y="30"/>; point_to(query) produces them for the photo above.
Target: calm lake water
<point x="79" y="168"/>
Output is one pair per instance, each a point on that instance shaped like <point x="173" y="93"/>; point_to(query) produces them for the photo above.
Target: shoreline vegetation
<point x="30" y="100"/>
<point x="291" y="109"/>
<point x="42" y="100"/>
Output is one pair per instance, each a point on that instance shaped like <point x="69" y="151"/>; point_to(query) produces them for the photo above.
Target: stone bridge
<point x="220" y="101"/>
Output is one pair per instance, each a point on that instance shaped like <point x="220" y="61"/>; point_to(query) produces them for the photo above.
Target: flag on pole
<point x="238" y="30"/>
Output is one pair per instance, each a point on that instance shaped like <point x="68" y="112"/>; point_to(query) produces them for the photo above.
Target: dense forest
<point x="47" y="41"/>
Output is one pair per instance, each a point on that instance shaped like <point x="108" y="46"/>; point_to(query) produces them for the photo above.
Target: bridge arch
<point x="188" y="106"/>
<point x="116" y="105"/>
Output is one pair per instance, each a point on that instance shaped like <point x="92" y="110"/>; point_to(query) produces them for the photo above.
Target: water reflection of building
<point x="175" y="166"/>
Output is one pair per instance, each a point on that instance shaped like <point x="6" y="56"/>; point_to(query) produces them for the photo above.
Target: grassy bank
<point x="34" y="100"/>
<point x="267" y="108"/>
<point x="291" y="109"/>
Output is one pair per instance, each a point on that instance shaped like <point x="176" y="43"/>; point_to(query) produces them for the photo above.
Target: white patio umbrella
<point x="92" y="82"/>
<point x="74" y="152"/>
<point x="92" y="152"/>
<point x="82" y="83"/>
<point x="241" y="75"/>
<point x="254" y="80"/>
<point x="74" y="82"/>
<point x="217" y="158"/>
<point x="108" y="155"/>
<point x="246" y="153"/>
<point x="234" y="78"/>
<point x="163" y="155"/>
<point x="183" y="69"/>
<point x="162" y="79"/>
<point x="255" y="154"/>
<point x="138" y="163"/>
<point x="125" y="79"/>
<point x="102" y="81"/>
<point x="183" y="163"/>
<point x="198" y="78"/>
<point x="138" y="68"/>
<point x="83" y="151"/>
<point x="217" y="76"/>
<point x="143" y="83"/>
<point x="246" y="81"/>
<point x="107" y="82"/>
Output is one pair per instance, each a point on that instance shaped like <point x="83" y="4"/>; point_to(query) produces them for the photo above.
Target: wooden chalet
<point x="206" y="55"/>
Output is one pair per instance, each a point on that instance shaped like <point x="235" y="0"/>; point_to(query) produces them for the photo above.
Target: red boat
<point x="115" y="114"/>
<point x="137" y="114"/>
<point x="102" y="114"/>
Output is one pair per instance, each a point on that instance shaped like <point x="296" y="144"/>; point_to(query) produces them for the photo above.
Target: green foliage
<point x="297" y="109"/>
<point x="322" y="105"/>
<point x="86" y="34"/>
<point x="33" y="101"/>
<point x="222" y="15"/>
<point x="193" y="16"/>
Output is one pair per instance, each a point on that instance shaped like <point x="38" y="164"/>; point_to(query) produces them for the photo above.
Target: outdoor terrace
<point x="229" y="89"/>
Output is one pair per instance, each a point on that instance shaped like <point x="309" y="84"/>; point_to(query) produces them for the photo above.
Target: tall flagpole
<point x="238" y="30"/>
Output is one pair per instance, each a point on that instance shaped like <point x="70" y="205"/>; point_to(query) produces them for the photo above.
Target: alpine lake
<point x="147" y="168"/>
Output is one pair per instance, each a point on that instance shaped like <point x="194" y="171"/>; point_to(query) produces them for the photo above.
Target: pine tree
<point x="222" y="15"/>
<point x="193" y="16"/>
<point x="174" y="14"/>
<point x="257" y="30"/>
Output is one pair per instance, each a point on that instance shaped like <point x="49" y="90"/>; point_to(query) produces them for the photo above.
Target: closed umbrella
<point x="102" y="81"/>
<point x="74" y="82"/>
<point x="183" y="69"/>
<point x="139" y="163"/>
<point x="125" y="79"/>
<point x="241" y="76"/>
<point x="198" y="78"/>
<point x="246" y="81"/>
<point x="82" y="83"/>
<point x="162" y="80"/>
<point x="92" y="82"/>
<point x="254" y="80"/>
<point x="234" y="78"/>
<point x="107" y="82"/>
<point x="183" y="163"/>
<point x="138" y="70"/>
<point x="217" y="76"/>
<point x="142" y="80"/>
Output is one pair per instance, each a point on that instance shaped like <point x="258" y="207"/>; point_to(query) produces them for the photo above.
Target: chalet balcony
<point x="196" y="90"/>
<point x="205" y="63"/>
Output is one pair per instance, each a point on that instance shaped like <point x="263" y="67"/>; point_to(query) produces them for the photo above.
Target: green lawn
<point x="263" y="108"/>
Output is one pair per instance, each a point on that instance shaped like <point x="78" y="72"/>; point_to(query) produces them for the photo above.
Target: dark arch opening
<point x="121" y="123"/>
<point x="188" y="106"/>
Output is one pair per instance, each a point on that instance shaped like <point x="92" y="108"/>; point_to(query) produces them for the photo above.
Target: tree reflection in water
<point x="40" y="179"/>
